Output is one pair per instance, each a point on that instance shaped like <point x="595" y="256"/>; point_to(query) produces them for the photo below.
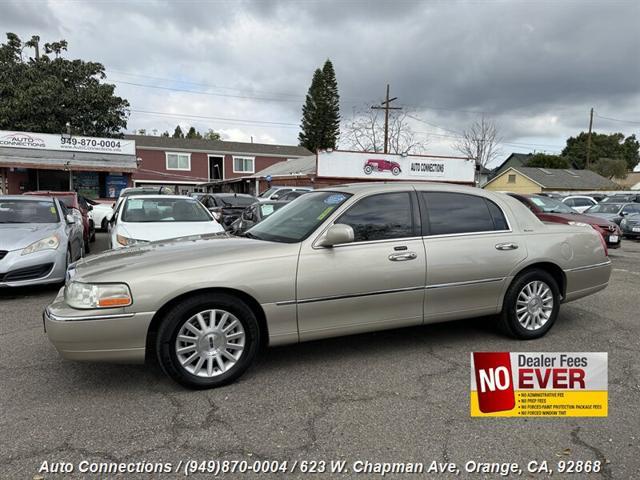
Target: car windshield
<point x="159" y="209"/>
<point x="605" y="208"/>
<point x="551" y="205"/>
<point x="268" y="192"/>
<point x="266" y="209"/>
<point x="28" y="211"/>
<point x="297" y="220"/>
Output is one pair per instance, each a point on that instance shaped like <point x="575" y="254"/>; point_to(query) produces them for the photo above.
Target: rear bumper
<point x="97" y="336"/>
<point x="583" y="281"/>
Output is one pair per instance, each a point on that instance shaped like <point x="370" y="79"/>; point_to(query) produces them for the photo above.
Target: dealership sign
<point x="46" y="141"/>
<point x="508" y="384"/>
<point x="375" y="166"/>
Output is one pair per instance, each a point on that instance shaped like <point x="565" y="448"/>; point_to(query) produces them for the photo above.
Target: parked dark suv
<point x="227" y="207"/>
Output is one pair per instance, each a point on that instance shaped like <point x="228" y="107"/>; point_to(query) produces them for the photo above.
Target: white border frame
<point x="166" y="161"/>
<point x="209" y="156"/>
<point x="244" y="157"/>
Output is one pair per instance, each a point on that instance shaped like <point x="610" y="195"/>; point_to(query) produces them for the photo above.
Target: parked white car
<point x="100" y="213"/>
<point x="147" y="218"/>
<point x="579" y="203"/>
<point x="276" y="193"/>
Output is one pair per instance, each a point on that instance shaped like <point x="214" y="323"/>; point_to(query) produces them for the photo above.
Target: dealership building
<point x="92" y="166"/>
<point x="334" y="167"/>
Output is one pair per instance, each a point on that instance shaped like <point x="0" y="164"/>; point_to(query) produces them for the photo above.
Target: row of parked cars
<point x="614" y="217"/>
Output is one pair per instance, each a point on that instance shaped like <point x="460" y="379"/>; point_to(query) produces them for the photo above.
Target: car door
<point x="471" y="251"/>
<point x="375" y="282"/>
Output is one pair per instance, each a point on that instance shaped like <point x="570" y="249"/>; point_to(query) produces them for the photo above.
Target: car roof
<point x="395" y="185"/>
<point x="50" y="193"/>
<point x="158" y="196"/>
<point x="26" y="198"/>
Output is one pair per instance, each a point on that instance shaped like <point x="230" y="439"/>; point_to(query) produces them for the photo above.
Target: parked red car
<point x="373" y="165"/>
<point x="551" y="210"/>
<point x="75" y="204"/>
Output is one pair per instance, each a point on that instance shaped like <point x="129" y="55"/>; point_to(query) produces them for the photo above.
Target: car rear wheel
<point x="207" y="341"/>
<point x="530" y="306"/>
<point x="87" y="248"/>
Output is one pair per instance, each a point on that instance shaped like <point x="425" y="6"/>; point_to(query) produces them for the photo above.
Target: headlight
<point x="126" y="241"/>
<point x="97" y="295"/>
<point x="579" y="224"/>
<point x="49" y="243"/>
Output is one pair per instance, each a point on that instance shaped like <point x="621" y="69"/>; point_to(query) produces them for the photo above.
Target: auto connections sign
<point x="46" y="141"/>
<point x="520" y="384"/>
<point x="380" y="166"/>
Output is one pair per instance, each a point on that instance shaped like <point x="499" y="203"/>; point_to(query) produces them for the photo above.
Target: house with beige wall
<point x="539" y="180"/>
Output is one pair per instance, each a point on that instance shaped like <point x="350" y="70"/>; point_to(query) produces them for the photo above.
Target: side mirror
<point x="337" y="234"/>
<point x="89" y="208"/>
<point x="69" y="219"/>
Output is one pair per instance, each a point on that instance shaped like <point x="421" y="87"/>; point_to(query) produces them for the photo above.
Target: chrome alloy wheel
<point x="210" y="343"/>
<point x="534" y="305"/>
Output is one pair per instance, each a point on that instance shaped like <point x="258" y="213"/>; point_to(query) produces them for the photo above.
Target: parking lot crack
<point x="606" y="469"/>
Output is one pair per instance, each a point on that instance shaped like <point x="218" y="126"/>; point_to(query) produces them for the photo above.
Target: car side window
<point x="570" y="201"/>
<point x="451" y="213"/>
<point x="380" y="217"/>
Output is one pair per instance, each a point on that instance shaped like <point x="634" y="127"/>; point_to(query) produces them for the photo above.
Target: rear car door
<point x="375" y="282"/>
<point x="471" y="251"/>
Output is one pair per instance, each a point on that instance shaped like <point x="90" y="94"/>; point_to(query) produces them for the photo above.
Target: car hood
<point x="16" y="236"/>
<point x="180" y="255"/>
<point x="154" y="231"/>
<point x="606" y="216"/>
<point x="578" y="217"/>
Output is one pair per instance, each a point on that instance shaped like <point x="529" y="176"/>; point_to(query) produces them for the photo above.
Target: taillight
<point x="601" y="235"/>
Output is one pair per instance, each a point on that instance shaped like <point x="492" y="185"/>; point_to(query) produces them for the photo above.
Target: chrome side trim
<point x="588" y="267"/>
<point x="58" y="318"/>
<point x="461" y="284"/>
<point x="352" y="295"/>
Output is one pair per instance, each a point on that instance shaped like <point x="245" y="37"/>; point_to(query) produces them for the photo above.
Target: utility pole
<point x="589" y="137"/>
<point x="386" y="106"/>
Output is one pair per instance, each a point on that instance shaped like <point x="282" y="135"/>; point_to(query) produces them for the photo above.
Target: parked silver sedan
<point x="38" y="240"/>
<point x="337" y="261"/>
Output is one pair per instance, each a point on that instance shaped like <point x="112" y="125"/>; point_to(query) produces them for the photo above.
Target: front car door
<point x="373" y="283"/>
<point x="471" y="252"/>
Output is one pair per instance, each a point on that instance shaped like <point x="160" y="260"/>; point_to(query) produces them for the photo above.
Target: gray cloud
<point x="534" y="67"/>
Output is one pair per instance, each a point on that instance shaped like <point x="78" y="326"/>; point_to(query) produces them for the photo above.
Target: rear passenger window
<point x="380" y="217"/>
<point x="451" y="213"/>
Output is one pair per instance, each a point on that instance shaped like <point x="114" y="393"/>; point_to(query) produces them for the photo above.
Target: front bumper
<point x="109" y="335"/>
<point x="46" y="266"/>
<point x="631" y="231"/>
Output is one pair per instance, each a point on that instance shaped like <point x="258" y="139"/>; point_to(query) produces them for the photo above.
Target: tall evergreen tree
<point x="177" y="133"/>
<point x="193" y="133"/>
<point x="320" y="126"/>
<point x="332" y="106"/>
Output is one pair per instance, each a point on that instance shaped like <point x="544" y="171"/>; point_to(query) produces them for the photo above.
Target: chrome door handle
<point x="506" y="246"/>
<point x="401" y="257"/>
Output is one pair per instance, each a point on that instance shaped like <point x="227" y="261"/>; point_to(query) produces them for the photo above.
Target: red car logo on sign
<point x="373" y="165"/>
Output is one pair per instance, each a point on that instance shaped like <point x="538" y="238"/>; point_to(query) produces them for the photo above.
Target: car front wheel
<point x="530" y="306"/>
<point x="208" y="341"/>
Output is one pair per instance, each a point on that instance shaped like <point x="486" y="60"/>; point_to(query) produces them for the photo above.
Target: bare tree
<point x="365" y="132"/>
<point x="480" y="142"/>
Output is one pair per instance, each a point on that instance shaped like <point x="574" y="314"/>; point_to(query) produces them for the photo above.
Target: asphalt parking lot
<point x="398" y="395"/>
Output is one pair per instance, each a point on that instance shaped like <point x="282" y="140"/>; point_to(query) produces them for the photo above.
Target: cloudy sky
<point x="242" y="67"/>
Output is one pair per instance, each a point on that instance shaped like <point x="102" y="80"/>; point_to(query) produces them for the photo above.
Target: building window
<point x="512" y="179"/>
<point x="243" y="165"/>
<point x="178" y="161"/>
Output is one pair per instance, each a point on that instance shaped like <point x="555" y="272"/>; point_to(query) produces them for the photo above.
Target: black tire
<point x="103" y="225"/>
<point x="175" y="319"/>
<point x="508" y="320"/>
<point x="87" y="248"/>
<point x="395" y="171"/>
<point x="92" y="231"/>
<point x="368" y="169"/>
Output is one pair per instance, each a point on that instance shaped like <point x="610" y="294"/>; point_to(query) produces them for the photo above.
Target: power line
<point x="616" y="119"/>
<point x="222" y="119"/>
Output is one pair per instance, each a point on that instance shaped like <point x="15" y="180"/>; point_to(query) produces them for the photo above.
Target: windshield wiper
<point x="251" y="235"/>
